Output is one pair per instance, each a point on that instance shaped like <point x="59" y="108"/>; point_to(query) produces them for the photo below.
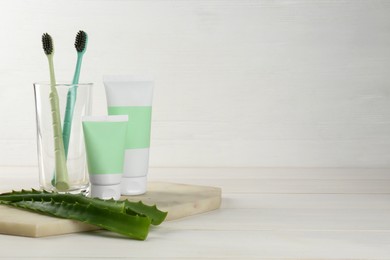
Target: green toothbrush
<point x="61" y="172"/>
<point x="81" y="47"/>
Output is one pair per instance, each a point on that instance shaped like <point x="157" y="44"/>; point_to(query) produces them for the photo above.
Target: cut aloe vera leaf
<point x="131" y="208"/>
<point x="35" y="195"/>
<point x="136" y="227"/>
<point x="157" y="216"/>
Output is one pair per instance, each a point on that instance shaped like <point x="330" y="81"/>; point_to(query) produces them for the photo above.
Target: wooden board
<point x="180" y="200"/>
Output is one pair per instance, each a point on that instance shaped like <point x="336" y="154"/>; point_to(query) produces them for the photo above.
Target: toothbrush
<point x="81" y="46"/>
<point x="61" y="172"/>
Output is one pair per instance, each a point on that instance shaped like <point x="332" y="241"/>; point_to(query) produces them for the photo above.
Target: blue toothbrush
<point x="81" y="47"/>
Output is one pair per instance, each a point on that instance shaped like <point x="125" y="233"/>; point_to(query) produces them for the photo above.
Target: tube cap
<point x="106" y="191"/>
<point x="133" y="186"/>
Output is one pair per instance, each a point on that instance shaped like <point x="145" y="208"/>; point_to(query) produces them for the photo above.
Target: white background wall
<point x="239" y="83"/>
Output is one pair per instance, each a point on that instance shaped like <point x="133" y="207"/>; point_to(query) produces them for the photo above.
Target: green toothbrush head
<point x="81" y="42"/>
<point x="47" y="44"/>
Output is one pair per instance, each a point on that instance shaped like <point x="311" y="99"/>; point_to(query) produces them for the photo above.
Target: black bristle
<point x="47" y="43"/>
<point x="81" y="40"/>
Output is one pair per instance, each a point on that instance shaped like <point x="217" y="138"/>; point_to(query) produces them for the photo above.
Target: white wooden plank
<point x="170" y="243"/>
<point x="27" y="178"/>
<point x="271" y="173"/>
<point x="306" y="201"/>
<point x="245" y="173"/>
<point x="219" y="153"/>
<point x="249" y="226"/>
<point x="293" y="186"/>
<point x="287" y="219"/>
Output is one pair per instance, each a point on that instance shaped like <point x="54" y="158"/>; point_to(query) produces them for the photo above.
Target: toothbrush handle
<point x="76" y="75"/>
<point x="70" y="105"/>
<point x="61" y="176"/>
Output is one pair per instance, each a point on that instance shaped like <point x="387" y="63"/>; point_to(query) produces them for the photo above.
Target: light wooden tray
<point x="180" y="200"/>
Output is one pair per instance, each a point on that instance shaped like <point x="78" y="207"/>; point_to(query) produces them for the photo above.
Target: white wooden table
<point x="271" y="213"/>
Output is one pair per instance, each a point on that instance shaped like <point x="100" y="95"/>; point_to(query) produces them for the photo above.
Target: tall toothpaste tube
<point x="130" y="96"/>
<point x="105" y="146"/>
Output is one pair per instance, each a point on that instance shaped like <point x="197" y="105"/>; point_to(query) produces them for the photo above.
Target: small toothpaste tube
<point x="105" y="145"/>
<point x="130" y="96"/>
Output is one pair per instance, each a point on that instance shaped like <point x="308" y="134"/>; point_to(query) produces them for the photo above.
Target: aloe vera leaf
<point x="132" y="208"/>
<point x="35" y="195"/>
<point x="129" y="207"/>
<point x="157" y="216"/>
<point x="136" y="227"/>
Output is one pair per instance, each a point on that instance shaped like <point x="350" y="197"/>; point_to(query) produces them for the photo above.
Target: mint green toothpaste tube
<point x="105" y="145"/>
<point x="131" y="96"/>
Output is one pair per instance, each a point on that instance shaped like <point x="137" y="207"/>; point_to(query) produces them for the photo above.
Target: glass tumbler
<point x="75" y="156"/>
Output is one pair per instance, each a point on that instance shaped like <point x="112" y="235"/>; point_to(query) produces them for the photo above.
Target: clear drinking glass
<point x="76" y="158"/>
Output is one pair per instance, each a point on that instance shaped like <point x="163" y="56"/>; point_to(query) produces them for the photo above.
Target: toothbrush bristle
<point x="81" y="41"/>
<point x="47" y="44"/>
